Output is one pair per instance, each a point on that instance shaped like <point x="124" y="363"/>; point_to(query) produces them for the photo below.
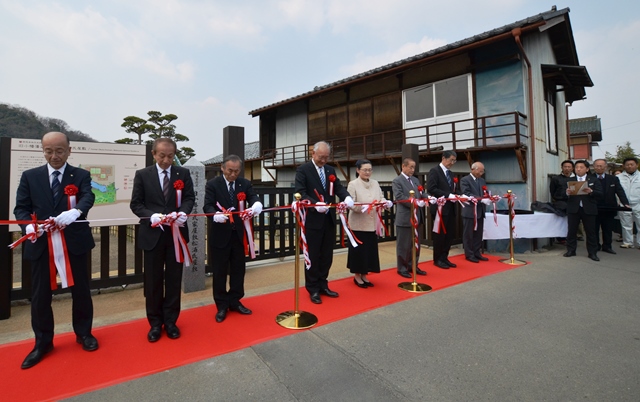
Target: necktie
<point x="165" y="185"/>
<point x="449" y="179"/>
<point x="55" y="184"/>
<point x="410" y="182"/>
<point x="322" y="179"/>
<point x="232" y="194"/>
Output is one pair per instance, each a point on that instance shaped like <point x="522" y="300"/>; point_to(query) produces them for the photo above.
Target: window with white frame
<point x="442" y="98"/>
<point x="550" y="108"/>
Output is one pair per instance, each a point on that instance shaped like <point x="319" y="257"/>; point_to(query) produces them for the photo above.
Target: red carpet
<point x="125" y="354"/>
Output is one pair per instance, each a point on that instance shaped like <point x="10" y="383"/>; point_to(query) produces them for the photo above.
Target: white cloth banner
<point x="529" y="226"/>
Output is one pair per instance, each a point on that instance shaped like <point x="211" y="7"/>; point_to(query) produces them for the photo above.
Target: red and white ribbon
<point x="298" y="208"/>
<point x="248" y="228"/>
<point x="180" y="245"/>
<point x="332" y="178"/>
<point x="438" y="222"/>
<point x="58" y="256"/>
<point x="341" y="210"/>
<point x="415" y="223"/>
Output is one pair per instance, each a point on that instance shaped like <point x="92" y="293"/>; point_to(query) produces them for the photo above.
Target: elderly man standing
<point x="473" y="221"/>
<point x="402" y="185"/>
<point x="630" y="182"/>
<point x="441" y="183"/>
<point x="65" y="181"/>
<point x="607" y="206"/>
<point x="317" y="182"/>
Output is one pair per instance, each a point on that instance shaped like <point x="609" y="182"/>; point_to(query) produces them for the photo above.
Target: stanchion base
<point x="301" y="320"/>
<point x="414" y="287"/>
<point x="512" y="261"/>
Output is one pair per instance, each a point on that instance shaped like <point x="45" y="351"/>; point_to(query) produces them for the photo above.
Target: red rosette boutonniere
<point x="455" y="183"/>
<point x="484" y="191"/>
<point x="420" y="189"/>
<point x="332" y="178"/>
<point x="71" y="190"/>
<point x="178" y="185"/>
<point x="241" y="197"/>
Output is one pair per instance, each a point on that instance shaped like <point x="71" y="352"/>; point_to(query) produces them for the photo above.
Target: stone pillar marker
<point x="193" y="278"/>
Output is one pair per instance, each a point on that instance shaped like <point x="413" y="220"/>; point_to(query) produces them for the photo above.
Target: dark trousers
<point x="320" y="242"/>
<point x="589" y="223"/>
<point x="162" y="282"/>
<point x="442" y="241"/>
<point x="472" y="239"/>
<point x="604" y="223"/>
<point x="404" y="245"/>
<point x="41" y="311"/>
<point x="228" y="261"/>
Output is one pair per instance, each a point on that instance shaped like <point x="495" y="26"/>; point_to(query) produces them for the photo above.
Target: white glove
<point x="155" y="219"/>
<point x="364" y="208"/>
<point x="465" y="197"/>
<point x="67" y="217"/>
<point x="320" y="207"/>
<point x="388" y="204"/>
<point x="256" y="208"/>
<point x="486" y="201"/>
<point x="173" y="217"/>
<point x="182" y="218"/>
<point x="219" y="217"/>
<point x="420" y="203"/>
<point x="451" y="196"/>
<point x="30" y="229"/>
<point x="349" y="201"/>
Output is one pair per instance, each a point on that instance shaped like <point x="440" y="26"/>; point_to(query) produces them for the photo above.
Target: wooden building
<point x="583" y="133"/>
<point x="500" y="97"/>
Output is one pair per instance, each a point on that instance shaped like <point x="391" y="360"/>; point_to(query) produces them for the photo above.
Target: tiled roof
<point x="586" y="125"/>
<point x="485" y="35"/>
<point x="251" y="152"/>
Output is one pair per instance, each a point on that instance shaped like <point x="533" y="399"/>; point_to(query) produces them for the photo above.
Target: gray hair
<point x="317" y="145"/>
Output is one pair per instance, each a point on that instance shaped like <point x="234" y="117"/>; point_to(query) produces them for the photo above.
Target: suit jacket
<point x="218" y="192"/>
<point x="473" y="187"/>
<point x="147" y="199"/>
<point x="611" y="187"/>
<point x="308" y="180"/>
<point x="589" y="201"/>
<point x="438" y="186"/>
<point x="401" y="187"/>
<point x="35" y="195"/>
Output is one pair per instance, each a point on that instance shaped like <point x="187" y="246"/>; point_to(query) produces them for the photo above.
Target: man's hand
<point x="486" y="201"/>
<point x="155" y="219"/>
<point x="320" y="207"/>
<point x="182" y="218"/>
<point x="256" y="208"/>
<point x="388" y="204"/>
<point x="219" y="217"/>
<point x="420" y="203"/>
<point x="30" y="229"/>
<point x="67" y="217"/>
<point x="451" y="196"/>
<point x="349" y="201"/>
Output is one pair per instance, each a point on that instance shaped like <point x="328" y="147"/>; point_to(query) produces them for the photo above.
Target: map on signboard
<point x="103" y="183"/>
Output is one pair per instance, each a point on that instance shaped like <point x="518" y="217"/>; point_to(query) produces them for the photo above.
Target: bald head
<point x="477" y="169"/>
<point x="56" y="148"/>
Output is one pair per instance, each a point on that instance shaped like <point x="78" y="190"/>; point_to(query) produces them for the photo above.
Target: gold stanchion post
<point x="414" y="286"/>
<point x="511" y="260"/>
<point x="296" y="319"/>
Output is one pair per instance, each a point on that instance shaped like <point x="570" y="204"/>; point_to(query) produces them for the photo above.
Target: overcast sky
<point x="211" y="62"/>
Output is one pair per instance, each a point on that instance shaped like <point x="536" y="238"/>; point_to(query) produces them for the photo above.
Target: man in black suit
<point x="473" y="223"/>
<point x="607" y="206"/>
<point x="583" y="206"/>
<point x="402" y="185"/>
<point x="313" y="183"/>
<point x="34" y="196"/>
<point x="441" y="183"/>
<point x="155" y="195"/>
<point x="226" y="239"/>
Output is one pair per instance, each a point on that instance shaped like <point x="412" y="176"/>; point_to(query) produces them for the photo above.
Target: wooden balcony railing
<point x="506" y="130"/>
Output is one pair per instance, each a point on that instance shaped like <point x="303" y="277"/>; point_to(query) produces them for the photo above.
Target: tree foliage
<point x="156" y="126"/>
<point x="20" y="122"/>
<point x="622" y="152"/>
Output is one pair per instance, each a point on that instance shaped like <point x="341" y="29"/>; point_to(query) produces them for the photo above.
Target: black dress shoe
<point x="472" y="259"/>
<point x="35" y="356"/>
<point x="404" y="274"/>
<point x="594" y="257"/>
<point x="89" y="342"/>
<point x="360" y="285"/>
<point x="221" y="315"/>
<point x="315" y="298"/>
<point x="329" y="292"/>
<point x="609" y="250"/>
<point x="481" y="258"/>
<point x="173" y="332"/>
<point x="154" y="334"/>
<point x="449" y="263"/>
<point x="369" y="284"/>
<point x="569" y="254"/>
<point x="440" y="264"/>
<point x="420" y="272"/>
<point x="241" y="309"/>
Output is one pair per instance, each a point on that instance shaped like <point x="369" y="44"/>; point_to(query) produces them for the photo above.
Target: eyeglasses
<point x="366" y="170"/>
<point x="57" y="152"/>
